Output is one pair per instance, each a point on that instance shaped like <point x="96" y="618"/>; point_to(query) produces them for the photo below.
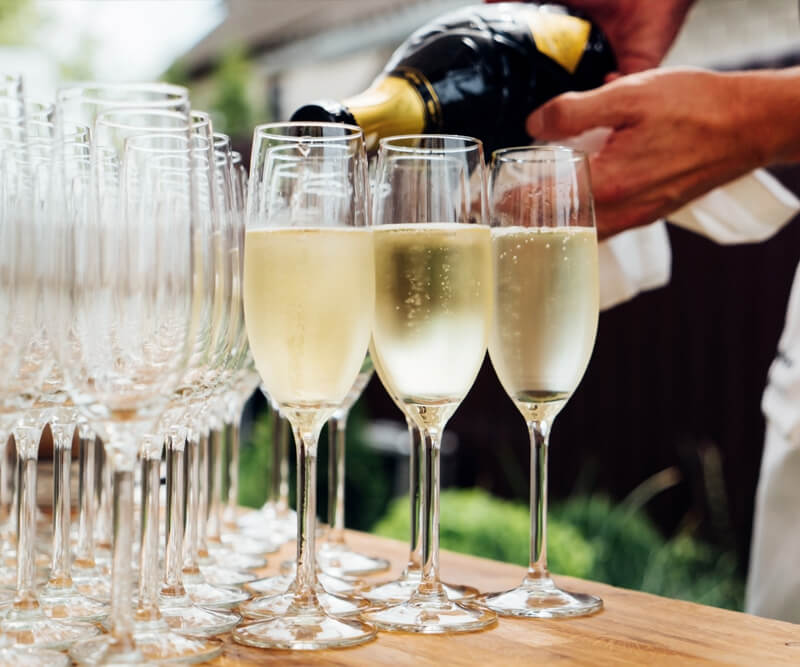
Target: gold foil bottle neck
<point x="390" y="106"/>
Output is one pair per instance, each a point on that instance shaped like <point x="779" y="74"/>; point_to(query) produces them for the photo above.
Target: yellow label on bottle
<point x="389" y="106"/>
<point x="560" y="36"/>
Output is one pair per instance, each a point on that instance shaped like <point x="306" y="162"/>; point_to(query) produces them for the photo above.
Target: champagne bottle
<point x="477" y="71"/>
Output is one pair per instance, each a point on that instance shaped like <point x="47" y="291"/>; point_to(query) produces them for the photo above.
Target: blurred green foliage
<point x="227" y="94"/>
<point x="18" y="19"/>
<point x="588" y="536"/>
<point x="230" y="105"/>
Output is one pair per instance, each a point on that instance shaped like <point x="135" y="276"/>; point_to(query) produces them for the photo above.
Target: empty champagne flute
<point x="335" y="556"/>
<point x="544" y="323"/>
<point x="309" y="300"/>
<point x="433" y="286"/>
<point x="26" y="622"/>
<point x="124" y="269"/>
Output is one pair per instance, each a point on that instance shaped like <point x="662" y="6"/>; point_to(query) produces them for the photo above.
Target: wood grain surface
<point x="634" y="629"/>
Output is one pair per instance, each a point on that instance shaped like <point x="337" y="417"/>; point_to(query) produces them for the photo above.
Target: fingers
<point x="571" y="114"/>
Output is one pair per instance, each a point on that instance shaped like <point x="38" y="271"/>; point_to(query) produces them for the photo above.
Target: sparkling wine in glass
<point x="309" y="294"/>
<point x="544" y="323"/>
<point x="433" y="286"/>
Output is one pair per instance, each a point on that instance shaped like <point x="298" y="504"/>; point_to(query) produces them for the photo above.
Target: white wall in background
<point x="727" y="32"/>
<point x="332" y="80"/>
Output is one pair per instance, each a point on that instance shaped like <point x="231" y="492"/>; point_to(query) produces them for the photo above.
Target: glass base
<point x="432" y="616"/>
<point x="237" y="561"/>
<point x="156" y="647"/>
<point x="340" y="561"/>
<point x="7" y="596"/>
<point x="273" y="585"/>
<point x="30" y="657"/>
<point x="269" y="606"/>
<point x="31" y="628"/>
<point x="330" y="582"/>
<point x="68" y="604"/>
<point x="247" y="544"/>
<point x="186" y="618"/>
<point x="311" y="630"/>
<point x="540" y="598"/>
<point x="204" y="594"/>
<point x="401" y="589"/>
<point x="99" y="590"/>
<point x="268" y="523"/>
<point x="217" y="575"/>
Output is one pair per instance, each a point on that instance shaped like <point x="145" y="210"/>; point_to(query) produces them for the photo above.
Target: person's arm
<point x="640" y="31"/>
<point x="676" y="134"/>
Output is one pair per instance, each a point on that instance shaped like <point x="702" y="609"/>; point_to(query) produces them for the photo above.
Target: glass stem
<point x="203" y="494"/>
<point x="122" y="553"/>
<point x="7" y="484"/>
<point x="84" y="558"/>
<point x="283" y="464"/>
<point x="148" y="552"/>
<point x="415" y="497"/>
<point x="337" y="428"/>
<point x="306" y="515"/>
<point x="60" y="576"/>
<point x="104" y="506"/>
<point x="17" y="489"/>
<point x="191" y="567"/>
<point x="232" y="435"/>
<point x="176" y="484"/>
<point x="430" y="586"/>
<point x="27" y="449"/>
<point x="540" y="435"/>
<point x="215" y="464"/>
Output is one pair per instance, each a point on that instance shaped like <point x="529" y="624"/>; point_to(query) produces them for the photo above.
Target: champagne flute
<point x="27" y="622"/>
<point x="335" y="556"/>
<point x="433" y="285"/>
<point x="80" y="104"/>
<point x="309" y="301"/>
<point x="543" y="328"/>
<point x="222" y="552"/>
<point x="124" y="272"/>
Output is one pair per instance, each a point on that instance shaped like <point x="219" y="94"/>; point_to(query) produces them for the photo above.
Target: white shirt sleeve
<point x="750" y="209"/>
<point x="633" y="261"/>
<point x="747" y="210"/>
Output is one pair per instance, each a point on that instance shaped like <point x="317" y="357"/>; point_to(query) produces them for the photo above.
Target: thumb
<point x="571" y="114"/>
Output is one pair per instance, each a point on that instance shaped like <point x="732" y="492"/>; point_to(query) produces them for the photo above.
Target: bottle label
<point x="560" y="36"/>
<point x="391" y="105"/>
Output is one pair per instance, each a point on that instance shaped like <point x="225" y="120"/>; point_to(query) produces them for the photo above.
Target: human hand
<point x="675" y="135"/>
<point x="640" y="31"/>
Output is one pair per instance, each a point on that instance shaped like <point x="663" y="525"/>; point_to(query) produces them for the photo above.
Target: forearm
<point x="765" y="106"/>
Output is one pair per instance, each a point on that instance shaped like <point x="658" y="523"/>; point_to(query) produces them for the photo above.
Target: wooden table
<point x="634" y="629"/>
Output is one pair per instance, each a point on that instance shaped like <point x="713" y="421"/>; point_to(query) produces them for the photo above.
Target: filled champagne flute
<point x="433" y="286"/>
<point x="309" y="291"/>
<point x="544" y="322"/>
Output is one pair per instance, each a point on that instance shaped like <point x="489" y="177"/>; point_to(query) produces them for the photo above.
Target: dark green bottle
<point x="477" y="71"/>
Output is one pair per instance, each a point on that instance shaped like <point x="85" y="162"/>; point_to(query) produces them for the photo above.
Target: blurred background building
<point x="656" y="457"/>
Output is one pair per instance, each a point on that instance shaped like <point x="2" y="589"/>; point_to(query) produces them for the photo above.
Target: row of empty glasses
<point x="149" y="286"/>
<point x="122" y="229"/>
